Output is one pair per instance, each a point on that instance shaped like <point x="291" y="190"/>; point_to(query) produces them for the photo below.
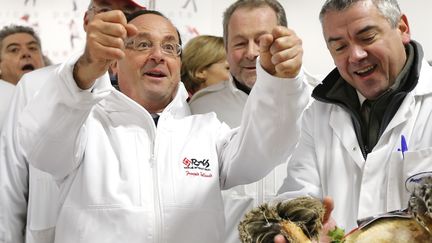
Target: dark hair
<point x="135" y="14"/>
<point x="16" y="29"/>
<point x="252" y="4"/>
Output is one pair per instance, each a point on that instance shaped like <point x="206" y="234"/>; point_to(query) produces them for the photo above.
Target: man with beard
<point x="29" y="198"/>
<point x="20" y="52"/>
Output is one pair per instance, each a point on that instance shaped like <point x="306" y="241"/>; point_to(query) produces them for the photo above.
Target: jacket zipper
<point x="156" y="191"/>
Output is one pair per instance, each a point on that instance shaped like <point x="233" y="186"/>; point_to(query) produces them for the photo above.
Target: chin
<point x="250" y="84"/>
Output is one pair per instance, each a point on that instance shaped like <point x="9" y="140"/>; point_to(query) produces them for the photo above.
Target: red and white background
<point x="59" y="23"/>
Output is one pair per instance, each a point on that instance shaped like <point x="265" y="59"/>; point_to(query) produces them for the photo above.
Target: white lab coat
<point x="121" y="180"/>
<point x="329" y="162"/>
<point x="224" y="99"/>
<point x="228" y="102"/>
<point x="6" y="91"/>
<point x="28" y="196"/>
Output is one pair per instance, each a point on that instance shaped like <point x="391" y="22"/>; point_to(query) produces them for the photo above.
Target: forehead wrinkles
<point x="19" y="39"/>
<point x="148" y="35"/>
<point x="337" y="26"/>
<point x="151" y="26"/>
<point x="250" y="24"/>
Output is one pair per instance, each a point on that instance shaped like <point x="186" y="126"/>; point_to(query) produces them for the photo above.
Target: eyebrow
<point x="255" y="36"/>
<point x="365" y="29"/>
<point x="17" y="44"/>
<point x="148" y="36"/>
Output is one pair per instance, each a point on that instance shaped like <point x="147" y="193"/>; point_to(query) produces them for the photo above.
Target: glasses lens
<point x="143" y="44"/>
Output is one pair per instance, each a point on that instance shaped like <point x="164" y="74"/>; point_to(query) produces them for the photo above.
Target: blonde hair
<point x="198" y="54"/>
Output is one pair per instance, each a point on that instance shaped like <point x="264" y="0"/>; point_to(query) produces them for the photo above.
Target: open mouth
<point x="155" y="74"/>
<point x="28" y="67"/>
<point x="366" y="71"/>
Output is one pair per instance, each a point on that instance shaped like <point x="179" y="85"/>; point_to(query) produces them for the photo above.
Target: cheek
<point x="341" y="63"/>
<point x="238" y="55"/>
<point x="174" y="67"/>
<point x="10" y="64"/>
<point x="224" y="72"/>
<point x="41" y="61"/>
<point x="126" y="69"/>
<point x="10" y="60"/>
<point x="234" y="57"/>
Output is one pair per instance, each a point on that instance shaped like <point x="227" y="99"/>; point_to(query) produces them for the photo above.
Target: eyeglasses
<point x="142" y="44"/>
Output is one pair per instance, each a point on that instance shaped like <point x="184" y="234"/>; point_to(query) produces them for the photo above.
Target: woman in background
<point x="204" y="63"/>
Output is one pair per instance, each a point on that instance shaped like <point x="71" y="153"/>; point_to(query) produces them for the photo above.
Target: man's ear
<point x="403" y="27"/>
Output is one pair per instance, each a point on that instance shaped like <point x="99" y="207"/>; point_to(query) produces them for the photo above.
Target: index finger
<point x="116" y="17"/>
<point x="265" y="42"/>
<point x="280" y="31"/>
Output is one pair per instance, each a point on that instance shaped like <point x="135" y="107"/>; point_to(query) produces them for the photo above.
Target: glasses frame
<point x="130" y="43"/>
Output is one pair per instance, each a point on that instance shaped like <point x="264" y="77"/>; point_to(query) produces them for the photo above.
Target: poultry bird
<point x="299" y="221"/>
<point x="412" y="225"/>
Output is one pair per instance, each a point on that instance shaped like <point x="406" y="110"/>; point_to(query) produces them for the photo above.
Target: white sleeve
<point x="302" y="174"/>
<point x="13" y="175"/>
<point x="269" y="129"/>
<point x="51" y="130"/>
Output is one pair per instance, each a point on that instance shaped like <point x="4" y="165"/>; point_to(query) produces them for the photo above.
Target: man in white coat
<point x="124" y="179"/>
<point x="243" y="23"/>
<point x="20" y="53"/>
<point x="365" y="158"/>
<point x="29" y="198"/>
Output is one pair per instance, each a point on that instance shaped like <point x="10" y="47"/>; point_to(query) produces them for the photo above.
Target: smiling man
<point x="369" y="129"/>
<point x="126" y="177"/>
<point x="244" y="23"/>
<point x="29" y="198"/>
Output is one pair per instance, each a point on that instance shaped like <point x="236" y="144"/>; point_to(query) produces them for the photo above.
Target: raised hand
<point x="104" y="44"/>
<point x="281" y="52"/>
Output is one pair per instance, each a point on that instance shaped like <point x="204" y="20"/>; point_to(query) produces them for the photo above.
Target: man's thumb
<point x="265" y="42"/>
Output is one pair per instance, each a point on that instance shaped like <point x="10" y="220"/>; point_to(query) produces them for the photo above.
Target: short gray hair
<point x="16" y="29"/>
<point x="388" y="8"/>
<point x="251" y="4"/>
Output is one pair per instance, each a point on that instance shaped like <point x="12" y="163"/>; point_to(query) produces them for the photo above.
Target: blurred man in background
<point x="20" y="53"/>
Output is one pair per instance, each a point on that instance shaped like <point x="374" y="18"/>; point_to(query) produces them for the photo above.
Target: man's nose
<point x="157" y="54"/>
<point x="252" y="51"/>
<point x="25" y="53"/>
<point x="357" y="53"/>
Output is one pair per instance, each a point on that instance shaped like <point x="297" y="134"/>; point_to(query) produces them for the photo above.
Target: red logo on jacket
<point x="195" y="167"/>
